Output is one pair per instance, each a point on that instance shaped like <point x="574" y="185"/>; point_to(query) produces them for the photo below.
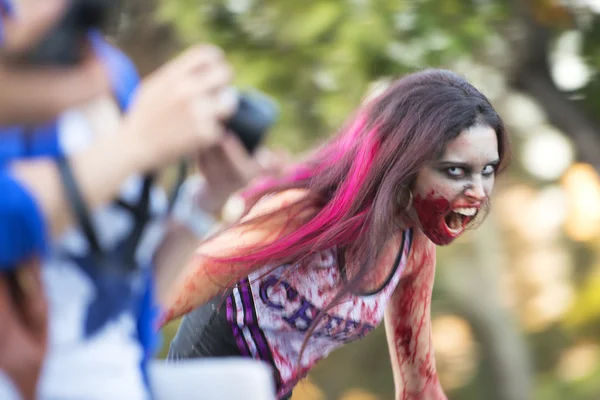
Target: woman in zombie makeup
<point x="347" y="239"/>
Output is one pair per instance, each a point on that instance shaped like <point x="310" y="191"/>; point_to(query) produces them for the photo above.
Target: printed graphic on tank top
<point x="270" y="313"/>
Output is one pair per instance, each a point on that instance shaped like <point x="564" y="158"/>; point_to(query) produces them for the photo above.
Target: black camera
<point x="65" y="43"/>
<point x="255" y="114"/>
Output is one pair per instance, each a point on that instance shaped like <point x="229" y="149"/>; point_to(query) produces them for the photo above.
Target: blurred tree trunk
<point x="471" y="290"/>
<point x="530" y="34"/>
<point x="146" y="40"/>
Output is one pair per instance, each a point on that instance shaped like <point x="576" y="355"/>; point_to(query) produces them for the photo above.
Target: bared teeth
<point x="466" y="211"/>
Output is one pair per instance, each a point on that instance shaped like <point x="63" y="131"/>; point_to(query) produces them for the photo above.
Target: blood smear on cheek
<point x="431" y="211"/>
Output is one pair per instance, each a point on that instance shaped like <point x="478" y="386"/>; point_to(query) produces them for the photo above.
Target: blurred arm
<point x="31" y="95"/>
<point x="408" y="327"/>
<point x="99" y="180"/>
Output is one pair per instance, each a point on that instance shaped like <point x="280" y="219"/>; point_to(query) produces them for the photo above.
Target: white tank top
<point x="271" y="310"/>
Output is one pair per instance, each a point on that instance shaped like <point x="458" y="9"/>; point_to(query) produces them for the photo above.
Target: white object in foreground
<point x="212" y="379"/>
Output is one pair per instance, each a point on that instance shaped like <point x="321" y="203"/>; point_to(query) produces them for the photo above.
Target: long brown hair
<point x="360" y="180"/>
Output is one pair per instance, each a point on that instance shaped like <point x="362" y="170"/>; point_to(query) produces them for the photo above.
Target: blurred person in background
<point x="347" y="239"/>
<point x="93" y="313"/>
<point x="28" y="96"/>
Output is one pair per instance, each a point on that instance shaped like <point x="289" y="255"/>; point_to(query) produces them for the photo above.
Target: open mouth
<point x="457" y="219"/>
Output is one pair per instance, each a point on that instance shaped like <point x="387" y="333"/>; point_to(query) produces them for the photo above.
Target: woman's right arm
<point x="408" y="327"/>
<point x="202" y="278"/>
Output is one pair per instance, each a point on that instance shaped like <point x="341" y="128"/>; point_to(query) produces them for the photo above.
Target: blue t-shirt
<point x="22" y="227"/>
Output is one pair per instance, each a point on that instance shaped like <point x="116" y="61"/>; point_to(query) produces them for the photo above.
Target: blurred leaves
<point x="318" y="57"/>
<point x="586" y="308"/>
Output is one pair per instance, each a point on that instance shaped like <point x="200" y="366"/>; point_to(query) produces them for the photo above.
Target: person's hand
<point x="32" y="94"/>
<point x="181" y="108"/>
<point x="227" y="167"/>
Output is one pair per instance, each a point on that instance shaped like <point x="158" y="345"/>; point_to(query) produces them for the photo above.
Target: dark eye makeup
<point x="457" y="170"/>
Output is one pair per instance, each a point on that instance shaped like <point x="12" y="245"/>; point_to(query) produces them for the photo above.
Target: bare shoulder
<point x="254" y="231"/>
<point x="274" y="202"/>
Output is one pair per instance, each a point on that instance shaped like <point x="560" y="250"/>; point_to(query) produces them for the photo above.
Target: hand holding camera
<point x="181" y="107"/>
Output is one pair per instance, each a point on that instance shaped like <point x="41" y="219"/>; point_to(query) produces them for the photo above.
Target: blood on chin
<point x="440" y="236"/>
<point x="431" y="211"/>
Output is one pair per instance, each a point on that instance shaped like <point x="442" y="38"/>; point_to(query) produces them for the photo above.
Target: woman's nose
<point x="475" y="191"/>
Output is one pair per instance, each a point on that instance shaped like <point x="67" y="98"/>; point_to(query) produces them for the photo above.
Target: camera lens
<point x="255" y="114"/>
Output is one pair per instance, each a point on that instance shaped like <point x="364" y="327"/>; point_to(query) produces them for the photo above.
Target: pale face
<point x="450" y="191"/>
